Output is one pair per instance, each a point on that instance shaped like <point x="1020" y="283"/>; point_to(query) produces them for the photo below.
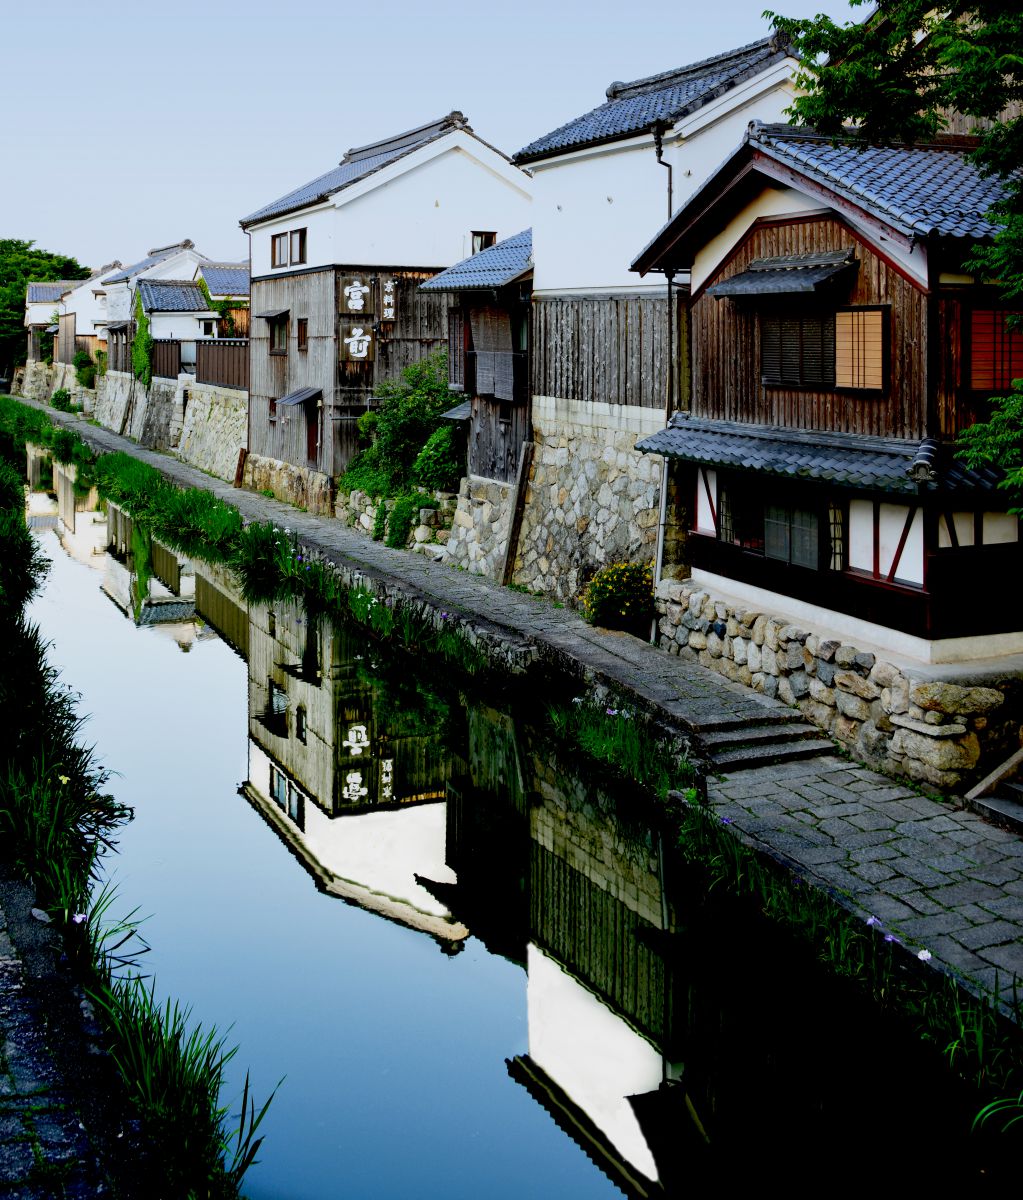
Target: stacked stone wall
<point x="300" y="486"/>
<point x="592" y="498"/>
<point x="904" y="720"/>
<point x="429" y="535"/>
<point x="214" y="428"/>
<point x="481" y="525"/>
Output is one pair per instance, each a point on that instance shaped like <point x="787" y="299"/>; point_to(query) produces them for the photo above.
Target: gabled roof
<point x="226" y="279"/>
<point x="154" y="256"/>
<point x="171" y="295"/>
<point x="839" y="459"/>
<point x="494" y="267"/>
<point x="633" y="108"/>
<point x="919" y="191"/>
<point x="50" y="290"/>
<point x="357" y="164"/>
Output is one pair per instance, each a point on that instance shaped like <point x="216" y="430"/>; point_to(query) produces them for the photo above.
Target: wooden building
<point x="488" y="351"/>
<point x="608" y="348"/>
<point x="335" y="299"/>
<point x="838" y="347"/>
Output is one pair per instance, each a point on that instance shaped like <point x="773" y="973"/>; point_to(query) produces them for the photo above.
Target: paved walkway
<point x="936" y="876"/>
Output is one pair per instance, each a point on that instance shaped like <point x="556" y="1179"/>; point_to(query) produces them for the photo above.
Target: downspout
<point x="657" y="130"/>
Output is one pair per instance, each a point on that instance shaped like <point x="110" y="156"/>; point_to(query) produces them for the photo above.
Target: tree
<point x="900" y="75"/>
<point x="20" y="262"/>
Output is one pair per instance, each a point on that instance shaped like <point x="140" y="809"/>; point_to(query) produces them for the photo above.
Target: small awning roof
<point x="272" y="315"/>
<point x="791" y="275"/>
<point x="52" y="328"/>
<point x="837" y="459"/>
<point x="461" y="412"/>
<point x="303" y="396"/>
<point x="114" y="326"/>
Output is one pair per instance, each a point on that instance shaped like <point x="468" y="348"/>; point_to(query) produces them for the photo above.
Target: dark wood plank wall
<point x="726" y="346"/>
<point x="956" y="407"/>
<point x="498" y="432"/>
<point x="608" y="349"/>
<point x="225" y="615"/>
<point x="272" y="376"/>
<point x="65" y="338"/>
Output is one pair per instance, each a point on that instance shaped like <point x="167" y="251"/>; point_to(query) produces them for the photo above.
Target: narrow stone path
<point x="939" y="878"/>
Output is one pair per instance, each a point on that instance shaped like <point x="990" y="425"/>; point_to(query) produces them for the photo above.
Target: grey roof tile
<point x="171" y="295"/>
<point x="53" y="289"/>
<point x="491" y="268"/>
<point x="844" y="460"/>
<point x="154" y="256"/>
<point x="788" y="275"/>
<point x="357" y="164"/>
<point x="921" y="189"/>
<point x="226" y="279"/>
<point x="633" y="107"/>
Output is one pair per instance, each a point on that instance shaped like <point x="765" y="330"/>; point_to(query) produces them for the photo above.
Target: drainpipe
<point x="657" y="130"/>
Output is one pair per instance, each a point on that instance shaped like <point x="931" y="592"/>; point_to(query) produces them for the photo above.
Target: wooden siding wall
<point x="957" y="405"/>
<point x="608" y="349"/>
<point x="726" y="345"/>
<point x="223" y="362"/>
<point x="226" y="616"/>
<point x="421" y="329"/>
<point x="272" y="376"/>
<point x="495" y="442"/>
<point x="66" y="338"/>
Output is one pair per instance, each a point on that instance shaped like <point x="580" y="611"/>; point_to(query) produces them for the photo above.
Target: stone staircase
<point x="739" y="744"/>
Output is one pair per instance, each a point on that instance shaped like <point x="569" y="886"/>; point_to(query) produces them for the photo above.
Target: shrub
<point x="142" y="347"/>
<point x="620" y="596"/>
<point x="61" y="399"/>
<point x="85" y="368"/>
<point x="441" y="462"/>
<point x="404" y="512"/>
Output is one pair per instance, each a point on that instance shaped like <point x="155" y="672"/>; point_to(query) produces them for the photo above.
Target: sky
<point x="137" y="126"/>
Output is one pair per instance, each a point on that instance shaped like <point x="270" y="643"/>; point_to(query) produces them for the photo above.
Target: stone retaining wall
<point x="311" y="490"/>
<point x="214" y="428"/>
<point x="429" y="535"/>
<point x="592" y="499"/>
<point x="901" y="720"/>
<point x="480" y="527"/>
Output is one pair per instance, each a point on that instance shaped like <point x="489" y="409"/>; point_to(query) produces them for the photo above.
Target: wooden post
<point x="521" y="481"/>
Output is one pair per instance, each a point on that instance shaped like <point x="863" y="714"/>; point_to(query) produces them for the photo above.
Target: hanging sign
<point x="388" y="306"/>
<point x="355" y="292"/>
<point x="358" y="343"/>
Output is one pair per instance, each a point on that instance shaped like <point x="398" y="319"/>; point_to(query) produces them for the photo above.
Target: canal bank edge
<point x="940" y="880"/>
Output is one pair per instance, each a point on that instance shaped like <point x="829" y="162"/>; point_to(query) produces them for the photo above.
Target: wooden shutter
<point x="797" y="350"/>
<point x="859" y="349"/>
<point x="996" y="351"/>
<point x="456" y="350"/>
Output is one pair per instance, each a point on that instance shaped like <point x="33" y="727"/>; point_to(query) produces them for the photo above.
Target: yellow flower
<point x="64" y="779"/>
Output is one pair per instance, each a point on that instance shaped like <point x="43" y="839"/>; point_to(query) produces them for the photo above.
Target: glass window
<point x="279" y="250"/>
<point x="797" y="350"/>
<point x="279" y="335"/>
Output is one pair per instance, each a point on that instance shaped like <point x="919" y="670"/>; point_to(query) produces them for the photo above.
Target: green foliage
<point x="999" y="440"/>
<point x="441" y="463"/>
<point x="365" y="476"/>
<point x="408" y="413"/>
<point x="896" y="75"/>
<point x="101" y="362"/>
<point x="225" y="310"/>
<point x="403" y="513"/>
<point x="21" y="262"/>
<point x="61" y="400"/>
<point x="613" y="736"/>
<point x="380" y="521"/>
<point x="142" y="347"/>
<point x="620" y="596"/>
<point x="85" y="368"/>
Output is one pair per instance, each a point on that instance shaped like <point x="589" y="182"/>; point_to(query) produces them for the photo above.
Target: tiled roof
<point x="843" y="460"/>
<point x="171" y="295"/>
<point x="491" y="268"/>
<point x="52" y="290"/>
<point x="633" y="108"/>
<point x="226" y="279"/>
<point x="921" y="189"/>
<point x="152" y="258"/>
<point x="788" y="275"/>
<point x="358" y="163"/>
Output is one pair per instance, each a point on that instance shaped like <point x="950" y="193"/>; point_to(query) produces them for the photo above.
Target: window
<point x="273" y="417"/>
<point x="860" y="349"/>
<point x="481" y="239"/>
<point x="797" y="350"/>
<point x="791" y="535"/>
<point x="288" y="249"/>
<point x="300" y="725"/>
<point x="996" y="351"/>
<point x="209" y="329"/>
<point x="302" y="333"/>
<point x="279" y="335"/>
<point x="456" y="350"/>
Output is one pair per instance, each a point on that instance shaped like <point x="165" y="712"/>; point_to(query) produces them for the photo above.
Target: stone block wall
<point x="481" y="524"/>
<point x="903" y="720"/>
<point x="311" y="490"/>
<point x="429" y="535"/>
<point x="214" y="428"/>
<point x="592" y="499"/>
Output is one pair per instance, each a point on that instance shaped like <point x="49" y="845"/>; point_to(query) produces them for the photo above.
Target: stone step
<point x="764" y="716"/>
<point x="1004" y="807"/>
<point x="1013" y="789"/>
<point x="745" y="758"/>
<point x="755" y="733"/>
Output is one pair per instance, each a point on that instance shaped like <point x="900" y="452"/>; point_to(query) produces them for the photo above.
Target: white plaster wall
<point x="706" y="480"/>
<point x="1000" y="527"/>
<point x="88" y="309"/>
<point x="417" y="212"/>
<point x="592" y="1055"/>
<point x="861" y="535"/>
<point x="39" y="312"/>
<point x="584" y="241"/>
<point x="891" y="524"/>
<point x="185" y="326"/>
<point x="118" y="302"/>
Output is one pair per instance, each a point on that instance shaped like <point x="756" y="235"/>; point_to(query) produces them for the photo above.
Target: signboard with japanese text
<point x="358" y="342"/>
<point x="388" y="303"/>
<point x="356" y="295"/>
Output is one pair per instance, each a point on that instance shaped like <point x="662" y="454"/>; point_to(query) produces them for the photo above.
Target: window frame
<point x="289" y="248"/>
<point x="886" y="350"/>
<point x="296" y="258"/>
<point x="277" y="326"/>
<point x="301" y="333"/>
<point x="279" y="249"/>
<point x="802" y="315"/>
<point x="485" y="239"/>
<point x="985" y="305"/>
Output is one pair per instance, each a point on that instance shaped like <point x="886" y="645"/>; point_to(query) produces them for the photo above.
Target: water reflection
<point x="668" y="1036"/>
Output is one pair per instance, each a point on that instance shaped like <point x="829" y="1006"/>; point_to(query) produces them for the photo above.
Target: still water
<point x="476" y="972"/>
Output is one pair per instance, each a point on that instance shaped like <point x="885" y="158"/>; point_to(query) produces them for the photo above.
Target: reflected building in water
<point x="353" y="778"/>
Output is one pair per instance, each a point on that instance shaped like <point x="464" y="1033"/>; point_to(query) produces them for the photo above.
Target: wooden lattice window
<point x="860" y="348"/>
<point x="996" y="351"/>
<point x="456" y="350"/>
<point x="797" y="350"/>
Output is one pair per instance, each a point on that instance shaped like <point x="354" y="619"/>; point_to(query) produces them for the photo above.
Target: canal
<point x="477" y="968"/>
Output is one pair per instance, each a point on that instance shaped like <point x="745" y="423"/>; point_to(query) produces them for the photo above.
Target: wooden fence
<point x="166" y="358"/>
<point x="223" y="362"/>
